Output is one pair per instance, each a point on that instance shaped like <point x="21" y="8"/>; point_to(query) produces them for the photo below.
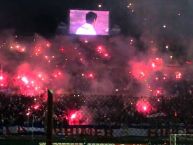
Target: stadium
<point x="96" y="72"/>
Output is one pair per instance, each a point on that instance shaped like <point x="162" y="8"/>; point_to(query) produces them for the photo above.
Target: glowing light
<point x="36" y="107"/>
<point x="99" y="5"/>
<point x="129" y="5"/>
<point x="46" y="57"/>
<point x="39" y="75"/>
<point x="85" y="41"/>
<point x="38" y="51"/>
<point x="164" y="77"/>
<point x="157" y="63"/>
<point x="153" y="64"/>
<point x="106" y="54"/>
<point x="102" y="51"/>
<point x="48" y="44"/>
<point x="17" y="47"/>
<point x="116" y="90"/>
<point x="140" y="70"/>
<point x="57" y="74"/>
<point x="142" y="74"/>
<point x="143" y="106"/>
<point x="25" y="80"/>
<point x="178" y="75"/>
<point x="73" y="116"/>
<point x="28" y="82"/>
<point x="28" y="114"/>
<point x="62" y="50"/>
<point x="164" y="26"/>
<point x="90" y="75"/>
<point x="131" y="41"/>
<point x="158" y="92"/>
<point x="1" y="78"/>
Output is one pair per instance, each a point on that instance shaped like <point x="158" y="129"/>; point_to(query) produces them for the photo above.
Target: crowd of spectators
<point x="97" y="109"/>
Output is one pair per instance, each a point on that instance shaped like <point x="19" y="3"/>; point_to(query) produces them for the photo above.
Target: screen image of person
<point x="88" y="27"/>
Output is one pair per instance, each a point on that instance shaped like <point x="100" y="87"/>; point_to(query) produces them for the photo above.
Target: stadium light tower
<point x="49" y="118"/>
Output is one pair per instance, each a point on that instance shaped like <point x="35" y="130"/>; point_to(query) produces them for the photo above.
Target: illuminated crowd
<point x="96" y="82"/>
<point x="116" y="109"/>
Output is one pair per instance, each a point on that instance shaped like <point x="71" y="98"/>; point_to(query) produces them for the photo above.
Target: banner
<point x="94" y="131"/>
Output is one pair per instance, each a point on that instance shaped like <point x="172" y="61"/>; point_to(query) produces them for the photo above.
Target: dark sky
<point x="31" y="16"/>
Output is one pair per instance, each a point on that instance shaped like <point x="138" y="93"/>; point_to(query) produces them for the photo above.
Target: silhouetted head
<point x="91" y="17"/>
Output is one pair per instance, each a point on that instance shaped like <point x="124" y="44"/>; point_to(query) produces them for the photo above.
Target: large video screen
<point x="89" y="22"/>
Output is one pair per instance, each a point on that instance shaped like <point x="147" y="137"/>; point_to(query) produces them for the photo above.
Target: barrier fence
<point x="91" y="135"/>
<point x="100" y="131"/>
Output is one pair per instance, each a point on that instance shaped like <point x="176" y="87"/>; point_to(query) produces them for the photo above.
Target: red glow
<point x="3" y="80"/>
<point x="62" y="50"/>
<point x="48" y="44"/>
<point x="40" y="47"/>
<point x="57" y="74"/>
<point x="140" y="70"/>
<point x="75" y="117"/>
<point x="28" y="113"/>
<point x="42" y="76"/>
<point x="157" y="63"/>
<point x="28" y="83"/>
<point x="25" y="80"/>
<point x="178" y="75"/>
<point x="37" y="106"/>
<point x="153" y="65"/>
<point x="143" y="106"/>
<point x="158" y="92"/>
<point x="15" y="46"/>
<point x="38" y="51"/>
<point x="79" y="117"/>
<point x="88" y="75"/>
<point x="102" y="51"/>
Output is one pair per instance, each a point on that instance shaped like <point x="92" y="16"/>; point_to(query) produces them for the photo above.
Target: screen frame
<point x="69" y="22"/>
